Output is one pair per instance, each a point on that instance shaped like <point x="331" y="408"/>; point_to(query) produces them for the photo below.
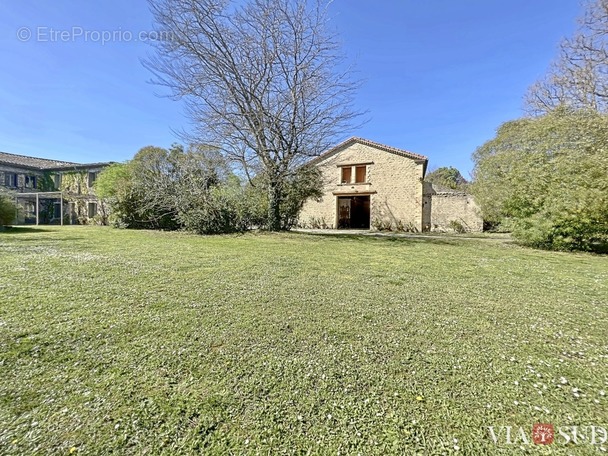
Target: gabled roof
<point x="42" y="164"/>
<point x="367" y="142"/>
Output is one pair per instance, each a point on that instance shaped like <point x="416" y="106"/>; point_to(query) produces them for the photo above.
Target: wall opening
<point x="353" y="212"/>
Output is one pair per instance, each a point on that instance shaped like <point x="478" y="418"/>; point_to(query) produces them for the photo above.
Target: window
<point x="92" y="177"/>
<point x="361" y="174"/>
<point x="353" y="174"/>
<point x="30" y="181"/>
<point x="57" y="180"/>
<point x="10" y="180"/>
<point x="92" y="210"/>
<point x="57" y="210"/>
<point x="347" y="172"/>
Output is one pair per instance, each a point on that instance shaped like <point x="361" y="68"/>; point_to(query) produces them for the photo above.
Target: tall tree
<point x="578" y="78"/>
<point x="447" y="176"/>
<point x="546" y="179"/>
<point x="262" y="79"/>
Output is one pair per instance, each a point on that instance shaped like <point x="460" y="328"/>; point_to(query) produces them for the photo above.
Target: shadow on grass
<point x="597" y="249"/>
<point x="23" y="230"/>
<point x="410" y="239"/>
<point x="600" y="248"/>
<point x="16" y="230"/>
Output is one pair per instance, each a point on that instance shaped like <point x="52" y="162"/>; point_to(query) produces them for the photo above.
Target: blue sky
<point x="439" y="76"/>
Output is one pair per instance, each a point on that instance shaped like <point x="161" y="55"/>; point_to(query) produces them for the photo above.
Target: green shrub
<point x="8" y="209"/>
<point x="457" y="226"/>
<point x="303" y="184"/>
<point x="408" y="227"/>
<point x="194" y="190"/>
<point x="318" y="223"/>
<point x="546" y="178"/>
<point x="382" y="225"/>
<point x="224" y="209"/>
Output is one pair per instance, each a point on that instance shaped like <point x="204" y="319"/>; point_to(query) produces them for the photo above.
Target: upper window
<point x="92" y="177"/>
<point x="30" y="181"/>
<point x="57" y="179"/>
<point x="10" y="180"/>
<point x="360" y="174"/>
<point x="347" y="172"/>
<point x="353" y="174"/>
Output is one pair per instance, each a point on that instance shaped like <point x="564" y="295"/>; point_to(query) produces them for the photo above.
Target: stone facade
<point x="19" y="179"/>
<point x="49" y="183"/>
<point x="450" y="210"/>
<point x="393" y="184"/>
<point x="370" y="185"/>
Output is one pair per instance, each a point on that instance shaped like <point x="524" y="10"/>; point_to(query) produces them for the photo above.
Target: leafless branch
<point x="579" y="76"/>
<point x="264" y="80"/>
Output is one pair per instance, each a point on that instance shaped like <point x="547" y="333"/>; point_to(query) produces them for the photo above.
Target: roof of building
<point x="43" y="164"/>
<point x="367" y="142"/>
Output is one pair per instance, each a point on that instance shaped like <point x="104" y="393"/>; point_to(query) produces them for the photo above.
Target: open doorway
<point x="353" y="212"/>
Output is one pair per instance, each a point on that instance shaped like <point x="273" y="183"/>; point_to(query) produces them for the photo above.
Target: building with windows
<point x="367" y="185"/>
<point x="52" y="191"/>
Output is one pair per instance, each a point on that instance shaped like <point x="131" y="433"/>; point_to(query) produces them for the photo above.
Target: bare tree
<point x="263" y="80"/>
<point x="579" y="76"/>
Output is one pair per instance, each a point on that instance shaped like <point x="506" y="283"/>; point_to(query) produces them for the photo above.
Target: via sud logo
<point x="543" y="434"/>
<point x="548" y="434"/>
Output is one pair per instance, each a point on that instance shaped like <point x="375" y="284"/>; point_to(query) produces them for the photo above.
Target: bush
<point x="382" y="225"/>
<point x="408" y="227"/>
<point x="195" y="190"/>
<point x="568" y="230"/>
<point x="224" y="209"/>
<point x="303" y="184"/>
<point x="547" y="179"/>
<point x="8" y="209"/>
<point x="447" y="177"/>
<point x="457" y="226"/>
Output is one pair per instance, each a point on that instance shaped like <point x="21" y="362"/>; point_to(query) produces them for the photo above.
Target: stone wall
<point x="21" y="173"/>
<point x="394" y="183"/>
<point x="446" y="209"/>
<point x="75" y="184"/>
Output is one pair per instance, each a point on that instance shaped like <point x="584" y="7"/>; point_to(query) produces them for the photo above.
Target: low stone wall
<point x="446" y="210"/>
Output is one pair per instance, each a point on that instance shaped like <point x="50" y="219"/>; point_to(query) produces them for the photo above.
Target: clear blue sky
<point x="440" y="75"/>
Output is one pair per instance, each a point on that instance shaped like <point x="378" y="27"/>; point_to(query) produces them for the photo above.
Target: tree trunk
<point x="275" y="195"/>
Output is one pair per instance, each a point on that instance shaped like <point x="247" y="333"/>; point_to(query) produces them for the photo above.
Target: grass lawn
<point x="126" y="342"/>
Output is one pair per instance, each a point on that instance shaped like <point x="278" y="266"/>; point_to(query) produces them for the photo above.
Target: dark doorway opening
<point x="353" y="212"/>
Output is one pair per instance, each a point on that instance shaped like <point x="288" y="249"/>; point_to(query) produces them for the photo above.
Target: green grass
<point x="125" y="342"/>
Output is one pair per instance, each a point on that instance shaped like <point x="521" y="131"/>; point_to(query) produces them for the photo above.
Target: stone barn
<point x="367" y="185"/>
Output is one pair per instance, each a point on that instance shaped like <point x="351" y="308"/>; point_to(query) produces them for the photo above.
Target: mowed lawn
<point x="126" y="342"/>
